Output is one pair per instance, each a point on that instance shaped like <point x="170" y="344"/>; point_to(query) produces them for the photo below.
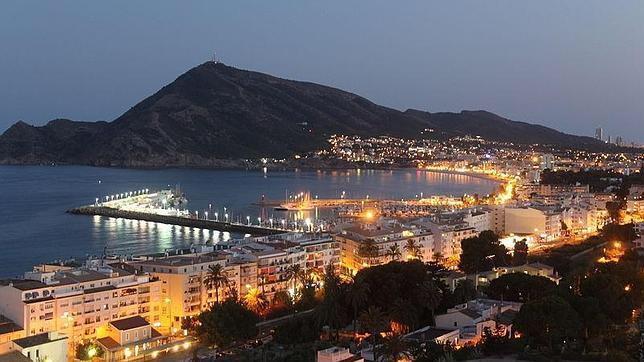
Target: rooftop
<point x="14" y="356"/>
<point x="428" y="334"/>
<point x="36" y="340"/>
<point x="23" y="284"/>
<point x="129" y="323"/>
<point x="184" y="260"/>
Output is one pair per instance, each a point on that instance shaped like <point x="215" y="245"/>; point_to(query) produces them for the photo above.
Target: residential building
<point x="79" y="303"/>
<point x="473" y="317"/>
<point x="43" y="347"/>
<point x="183" y="289"/>
<point x="337" y="354"/>
<point x="383" y="237"/>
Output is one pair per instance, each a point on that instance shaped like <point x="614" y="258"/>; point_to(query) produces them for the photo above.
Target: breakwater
<point x="175" y="220"/>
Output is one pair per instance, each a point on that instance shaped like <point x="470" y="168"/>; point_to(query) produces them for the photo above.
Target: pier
<point x="188" y="221"/>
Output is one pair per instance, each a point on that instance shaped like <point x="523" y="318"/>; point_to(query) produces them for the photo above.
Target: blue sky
<point x="572" y="65"/>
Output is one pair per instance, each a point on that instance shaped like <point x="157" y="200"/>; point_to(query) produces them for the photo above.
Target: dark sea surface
<point x="34" y="227"/>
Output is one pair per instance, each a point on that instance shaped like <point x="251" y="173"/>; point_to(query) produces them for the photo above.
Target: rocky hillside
<point x="215" y="113"/>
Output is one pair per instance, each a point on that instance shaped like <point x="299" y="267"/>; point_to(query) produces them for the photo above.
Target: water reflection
<point x="123" y="236"/>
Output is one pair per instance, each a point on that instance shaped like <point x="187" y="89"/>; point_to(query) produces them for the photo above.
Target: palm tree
<point x="432" y="296"/>
<point x="404" y="314"/>
<point x="394" y="252"/>
<point x="295" y="272"/>
<point x="394" y="348"/>
<point x="413" y="249"/>
<point x="215" y="279"/>
<point x="368" y="249"/>
<point x="357" y="296"/>
<point x="373" y="321"/>
<point x="256" y="301"/>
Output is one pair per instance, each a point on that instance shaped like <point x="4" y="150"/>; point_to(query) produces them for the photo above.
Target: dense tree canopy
<point x="548" y="321"/>
<point x="227" y="322"/>
<point x="520" y="287"/>
<point x="482" y="252"/>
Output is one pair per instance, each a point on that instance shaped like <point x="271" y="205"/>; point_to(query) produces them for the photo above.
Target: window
<point x="127" y="336"/>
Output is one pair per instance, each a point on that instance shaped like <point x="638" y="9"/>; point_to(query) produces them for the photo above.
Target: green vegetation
<point x="226" y="323"/>
<point x="482" y="253"/>
<point x="87" y="351"/>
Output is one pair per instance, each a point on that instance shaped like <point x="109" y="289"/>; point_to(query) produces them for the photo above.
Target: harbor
<point x="167" y="207"/>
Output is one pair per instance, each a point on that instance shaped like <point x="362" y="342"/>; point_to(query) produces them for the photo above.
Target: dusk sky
<point x="571" y="65"/>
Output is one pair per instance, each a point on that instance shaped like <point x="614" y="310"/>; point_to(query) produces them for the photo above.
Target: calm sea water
<point x="35" y="228"/>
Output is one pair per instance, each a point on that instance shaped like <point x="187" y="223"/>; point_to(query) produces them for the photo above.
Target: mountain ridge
<point x="213" y="113"/>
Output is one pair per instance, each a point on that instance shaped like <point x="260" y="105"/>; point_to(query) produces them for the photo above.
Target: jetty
<point x="188" y="221"/>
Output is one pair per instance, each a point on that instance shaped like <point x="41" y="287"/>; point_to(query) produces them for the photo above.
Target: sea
<point x="35" y="228"/>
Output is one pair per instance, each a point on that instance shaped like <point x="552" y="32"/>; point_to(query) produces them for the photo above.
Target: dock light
<point x="217" y="216"/>
<point x="206" y="215"/>
<point x="226" y="216"/>
<point x="259" y="221"/>
<point x="271" y="221"/>
<point x="248" y="219"/>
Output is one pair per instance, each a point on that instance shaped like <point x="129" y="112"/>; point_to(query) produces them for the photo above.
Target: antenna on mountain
<point x="214" y="58"/>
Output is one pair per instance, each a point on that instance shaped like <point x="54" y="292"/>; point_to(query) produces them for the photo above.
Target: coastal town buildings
<point x="472" y="318"/>
<point x="368" y="244"/>
<point x="79" y="303"/>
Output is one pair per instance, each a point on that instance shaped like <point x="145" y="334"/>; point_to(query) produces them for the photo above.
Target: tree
<point x="413" y="249"/>
<point x="520" y="255"/>
<point x="520" y="287"/>
<point x="394" y="348"/>
<point x="295" y="273"/>
<point x="482" y="252"/>
<point x="357" y="296"/>
<point x="394" y="252"/>
<point x="616" y="302"/>
<point x="464" y="291"/>
<point x="215" y="279"/>
<point x="373" y="321"/>
<point x="256" y="301"/>
<point x="431" y="296"/>
<point x="330" y="312"/>
<point x="404" y="316"/>
<point x="87" y="351"/>
<point x="368" y="250"/>
<point x="547" y="321"/>
<point x="226" y="323"/>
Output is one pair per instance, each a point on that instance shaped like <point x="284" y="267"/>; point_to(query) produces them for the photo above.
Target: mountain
<point x="215" y="113"/>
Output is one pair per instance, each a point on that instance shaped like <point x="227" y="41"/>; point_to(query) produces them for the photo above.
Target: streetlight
<point x="248" y="219"/>
<point x="226" y="216"/>
<point x="259" y="221"/>
<point x="206" y="215"/>
<point x="216" y="216"/>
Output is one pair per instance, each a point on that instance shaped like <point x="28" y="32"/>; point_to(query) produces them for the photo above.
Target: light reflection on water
<point x="35" y="228"/>
<point x="133" y="237"/>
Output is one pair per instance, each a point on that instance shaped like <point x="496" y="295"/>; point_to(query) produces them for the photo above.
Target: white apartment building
<point x="541" y="221"/>
<point x="79" y="303"/>
<point x="351" y="239"/>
